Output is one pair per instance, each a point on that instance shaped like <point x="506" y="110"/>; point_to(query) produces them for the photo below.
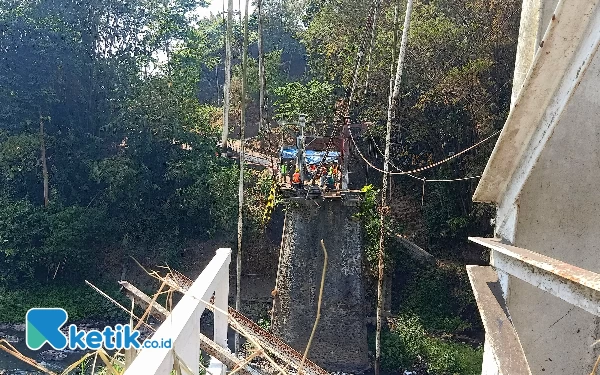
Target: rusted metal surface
<point x="575" y="285"/>
<point x="210" y="347"/>
<point x="274" y="345"/>
<point x="269" y="342"/>
<point x="501" y="337"/>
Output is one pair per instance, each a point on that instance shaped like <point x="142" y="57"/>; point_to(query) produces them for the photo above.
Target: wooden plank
<point x="416" y="252"/>
<point x="143" y="300"/>
<point x="501" y="336"/>
<point x="575" y="285"/>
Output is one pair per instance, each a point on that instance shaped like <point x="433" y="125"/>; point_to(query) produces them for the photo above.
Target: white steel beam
<point x="575" y="285"/>
<point x="503" y="354"/>
<point x="182" y="326"/>
<point x="568" y="46"/>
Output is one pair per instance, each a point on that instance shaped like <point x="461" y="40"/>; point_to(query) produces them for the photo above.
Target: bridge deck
<point x="315" y="192"/>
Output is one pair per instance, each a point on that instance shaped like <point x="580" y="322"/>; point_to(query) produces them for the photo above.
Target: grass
<point x="435" y="303"/>
<point x="408" y="345"/>
<point x="80" y="302"/>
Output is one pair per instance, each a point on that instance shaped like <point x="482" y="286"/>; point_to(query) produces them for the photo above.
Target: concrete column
<point x="340" y="342"/>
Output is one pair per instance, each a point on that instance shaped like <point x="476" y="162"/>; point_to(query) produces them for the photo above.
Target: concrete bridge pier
<point x="340" y="342"/>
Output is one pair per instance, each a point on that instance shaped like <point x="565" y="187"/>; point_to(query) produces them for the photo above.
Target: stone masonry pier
<point x="340" y="342"/>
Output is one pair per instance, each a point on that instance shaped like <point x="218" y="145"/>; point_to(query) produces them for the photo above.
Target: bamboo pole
<point x="238" y="301"/>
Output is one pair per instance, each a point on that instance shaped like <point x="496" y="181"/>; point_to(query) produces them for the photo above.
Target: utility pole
<point x="238" y="301"/>
<point x="227" y="83"/>
<point x="392" y="107"/>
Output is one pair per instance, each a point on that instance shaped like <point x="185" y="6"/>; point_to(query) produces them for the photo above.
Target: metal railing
<point x="182" y="326"/>
<point x="572" y="284"/>
<point x="575" y="285"/>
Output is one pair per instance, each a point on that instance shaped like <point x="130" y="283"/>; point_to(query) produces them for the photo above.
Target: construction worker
<point x="336" y="175"/>
<point x="330" y="182"/>
<point x="312" y="170"/>
<point x="297" y="180"/>
<point x="283" y="171"/>
<point x="323" y="176"/>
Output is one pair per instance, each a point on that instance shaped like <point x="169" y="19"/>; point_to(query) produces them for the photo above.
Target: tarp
<point x="288" y="153"/>
<point x="315" y="157"/>
<point x="311" y="156"/>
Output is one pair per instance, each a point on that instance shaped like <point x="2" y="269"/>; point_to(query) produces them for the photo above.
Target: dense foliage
<point x="130" y="151"/>
<point x="116" y="105"/>
<point x="455" y="91"/>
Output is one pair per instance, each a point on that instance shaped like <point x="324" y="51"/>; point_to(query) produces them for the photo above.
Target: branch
<point x="312" y="334"/>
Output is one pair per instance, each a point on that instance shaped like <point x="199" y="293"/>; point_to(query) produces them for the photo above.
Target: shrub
<point x="407" y="344"/>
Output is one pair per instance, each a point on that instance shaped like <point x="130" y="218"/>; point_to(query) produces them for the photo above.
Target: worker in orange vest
<point x="296" y="179"/>
<point x="335" y="171"/>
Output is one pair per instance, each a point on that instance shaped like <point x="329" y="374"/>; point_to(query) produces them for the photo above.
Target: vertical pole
<point x="238" y="301"/>
<point x="346" y="152"/>
<point x="359" y="57"/>
<point x="261" y="71"/>
<point x="392" y="105"/>
<point x="227" y="83"/>
<point x="373" y="34"/>
<point x="44" y="162"/>
<point x="302" y="150"/>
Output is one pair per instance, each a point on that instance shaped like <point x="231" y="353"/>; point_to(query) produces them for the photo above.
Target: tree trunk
<point x="238" y="301"/>
<point x="359" y="57"/>
<point x="263" y="126"/>
<point x="227" y="83"/>
<point x="373" y="35"/>
<point x="44" y="162"/>
<point x="392" y="105"/>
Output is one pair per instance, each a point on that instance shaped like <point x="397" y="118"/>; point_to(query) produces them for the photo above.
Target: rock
<point x="19" y="327"/>
<point x="10" y="338"/>
<point x="53" y="355"/>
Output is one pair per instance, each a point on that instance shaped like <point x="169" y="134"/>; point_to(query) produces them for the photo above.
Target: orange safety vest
<point x="296" y="178"/>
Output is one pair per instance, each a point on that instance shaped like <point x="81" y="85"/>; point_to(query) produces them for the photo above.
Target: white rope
<point x="424" y="179"/>
<point x="421" y="168"/>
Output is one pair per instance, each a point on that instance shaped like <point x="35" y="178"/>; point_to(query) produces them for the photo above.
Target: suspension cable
<point x="400" y="172"/>
<point x="421" y="169"/>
